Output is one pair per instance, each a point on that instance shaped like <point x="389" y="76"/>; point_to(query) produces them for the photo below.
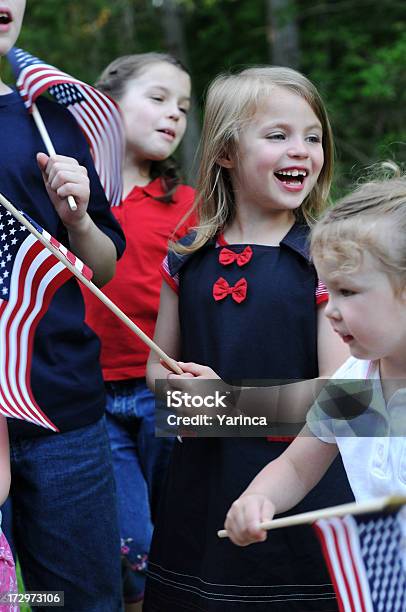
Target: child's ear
<point x="226" y="161"/>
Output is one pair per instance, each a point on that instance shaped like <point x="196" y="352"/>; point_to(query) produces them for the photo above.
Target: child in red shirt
<point x="153" y="91"/>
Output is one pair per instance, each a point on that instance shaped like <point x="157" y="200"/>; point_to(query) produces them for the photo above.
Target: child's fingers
<point x="257" y="510"/>
<point x="184" y="367"/>
<point x="64" y="177"/>
<point x="77" y="190"/>
<point x="198" y="370"/>
<point x="189" y="366"/>
<point x="267" y="511"/>
<point x="194" y="369"/>
<point x="177" y="380"/>
<point x="237" y="524"/>
<point x="241" y="534"/>
<point x="51" y="165"/>
<point x="42" y="160"/>
<point x="244" y="517"/>
<point x="71" y="181"/>
<point x="167" y="366"/>
<point x="59" y="169"/>
<point x="64" y="173"/>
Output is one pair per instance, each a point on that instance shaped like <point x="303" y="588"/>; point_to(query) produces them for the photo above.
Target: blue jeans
<point x="61" y="518"/>
<point x="140" y="461"/>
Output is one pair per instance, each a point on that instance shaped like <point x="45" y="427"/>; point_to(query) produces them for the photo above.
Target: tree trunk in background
<point x="176" y="45"/>
<point x="283" y="34"/>
<point x="128" y="38"/>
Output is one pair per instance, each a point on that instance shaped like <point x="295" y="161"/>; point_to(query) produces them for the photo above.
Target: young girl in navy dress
<point x="8" y="581"/>
<point x="240" y="297"/>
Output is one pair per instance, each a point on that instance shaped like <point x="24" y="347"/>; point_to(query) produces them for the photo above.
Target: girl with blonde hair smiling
<point x="242" y="297"/>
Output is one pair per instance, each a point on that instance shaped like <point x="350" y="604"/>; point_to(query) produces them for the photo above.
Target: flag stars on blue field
<point x="10" y="237"/>
<point x="66" y="93"/>
<point x="96" y="114"/>
<point x="26" y="59"/>
<point x="22" y="304"/>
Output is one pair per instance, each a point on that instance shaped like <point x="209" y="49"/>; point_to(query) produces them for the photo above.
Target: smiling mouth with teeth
<point x="5" y="18"/>
<point x="294" y="176"/>
<point x="168" y="132"/>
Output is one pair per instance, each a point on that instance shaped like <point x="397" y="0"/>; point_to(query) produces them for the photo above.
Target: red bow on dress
<point x="228" y="257"/>
<point x="221" y="289"/>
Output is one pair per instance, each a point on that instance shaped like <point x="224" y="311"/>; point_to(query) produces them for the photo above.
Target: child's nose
<point x="174" y="112"/>
<point x="298" y="149"/>
<point x="331" y="311"/>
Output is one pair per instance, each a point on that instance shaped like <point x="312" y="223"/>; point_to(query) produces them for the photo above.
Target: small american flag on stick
<point x="97" y="114"/>
<point x="77" y="268"/>
<point x="29" y="276"/>
<point x="364" y="556"/>
<point x="364" y="548"/>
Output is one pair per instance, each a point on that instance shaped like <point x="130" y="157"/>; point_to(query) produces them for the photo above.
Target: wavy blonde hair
<point x="372" y="218"/>
<point x="232" y="101"/>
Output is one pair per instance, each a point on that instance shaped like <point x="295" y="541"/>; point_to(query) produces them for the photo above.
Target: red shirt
<point x="135" y="288"/>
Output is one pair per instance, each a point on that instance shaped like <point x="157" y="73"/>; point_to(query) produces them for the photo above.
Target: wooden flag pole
<point x="48" y="144"/>
<point x="171" y="363"/>
<point x="373" y="505"/>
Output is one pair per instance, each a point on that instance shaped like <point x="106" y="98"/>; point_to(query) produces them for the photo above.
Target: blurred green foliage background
<point x="354" y="51"/>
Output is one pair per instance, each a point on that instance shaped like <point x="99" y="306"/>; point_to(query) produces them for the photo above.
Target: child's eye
<point x="157" y="98"/>
<point x="184" y="110"/>
<point x="347" y="292"/>
<point x="313" y="138"/>
<point x="276" y="136"/>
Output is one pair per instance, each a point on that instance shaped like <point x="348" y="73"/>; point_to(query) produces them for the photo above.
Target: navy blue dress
<point x="271" y="334"/>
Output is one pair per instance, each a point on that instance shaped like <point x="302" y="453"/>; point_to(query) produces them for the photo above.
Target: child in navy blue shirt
<point x="242" y="298"/>
<point x="61" y="510"/>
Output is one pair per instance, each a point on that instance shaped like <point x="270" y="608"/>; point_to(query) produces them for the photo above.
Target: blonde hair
<point x="372" y="218"/>
<point x="232" y="101"/>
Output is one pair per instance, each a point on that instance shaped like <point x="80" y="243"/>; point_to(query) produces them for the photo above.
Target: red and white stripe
<point x="341" y="548"/>
<point x="37" y="274"/>
<point x="98" y="116"/>
<point x="321" y="293"/>
<point x="78" y="263"/>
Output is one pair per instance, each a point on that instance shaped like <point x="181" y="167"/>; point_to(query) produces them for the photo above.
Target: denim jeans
<point x="140" y="461"/>
<point x="61" y="518"/>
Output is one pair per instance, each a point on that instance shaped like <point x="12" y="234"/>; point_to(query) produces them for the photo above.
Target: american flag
<point x="97" y="114"/>
<point x="364" y="555"/>
<point x="29" y="276"/>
